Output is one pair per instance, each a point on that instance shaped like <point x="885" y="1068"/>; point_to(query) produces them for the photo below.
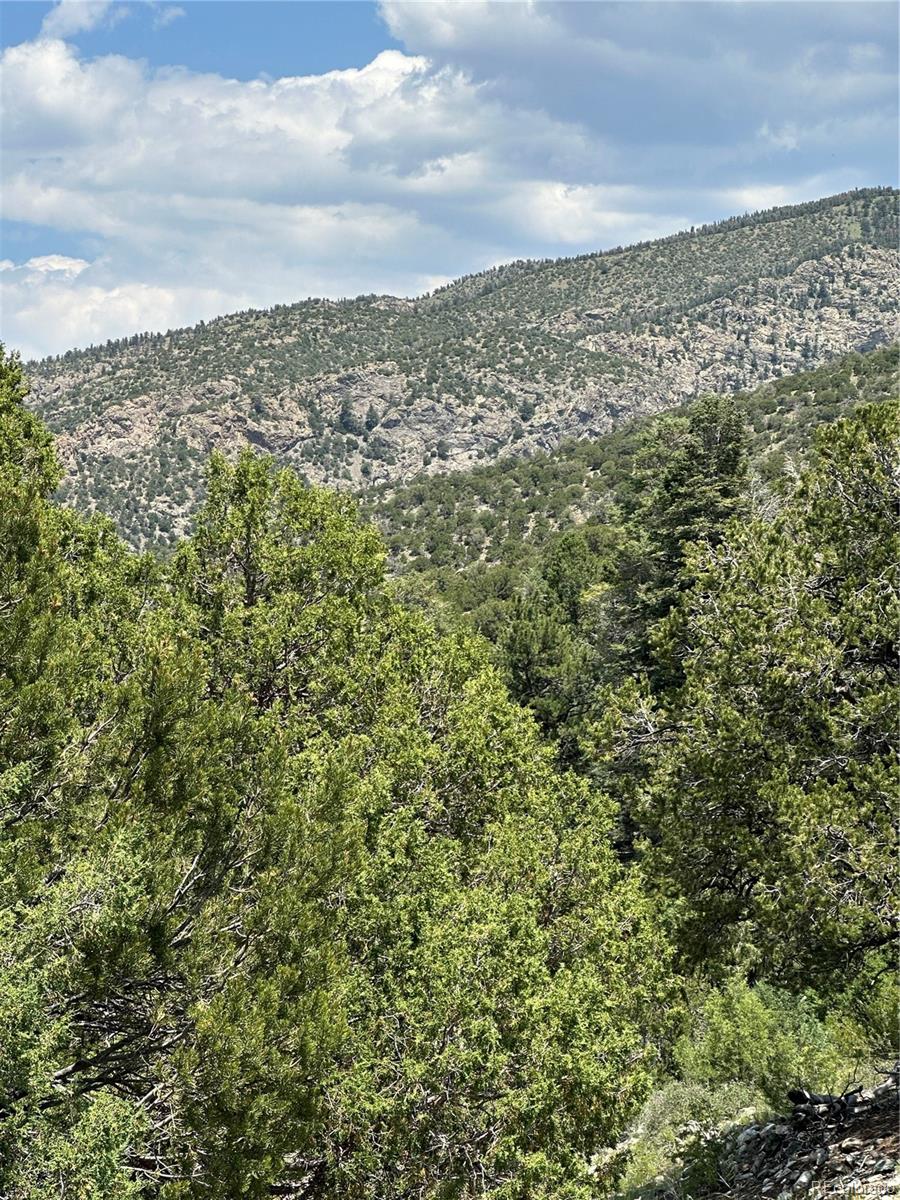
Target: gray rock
<point x="721" y="346"/>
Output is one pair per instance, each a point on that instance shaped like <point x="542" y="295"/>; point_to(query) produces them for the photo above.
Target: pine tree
<point x="291" y="895"/>
<point x="770" y="804"/>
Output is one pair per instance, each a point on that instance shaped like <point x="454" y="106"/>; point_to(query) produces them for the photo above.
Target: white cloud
<point x="79" y="16"/>
<point x="268" y="191"/>
<point x="82" y="315"/>
<point x="753" y="197"/>
<point x="784" y="138"/>
<point x="56" y="264"/>
<point x="167" y="13"/>
<point x="575" y="214"/>
<point x="503" y="130"/>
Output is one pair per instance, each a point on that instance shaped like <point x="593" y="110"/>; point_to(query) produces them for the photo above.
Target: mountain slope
<point x="519" y="359"/>
<point x="503" y="511"/>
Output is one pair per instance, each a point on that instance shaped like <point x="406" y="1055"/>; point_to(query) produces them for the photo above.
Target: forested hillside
<point x="504" y="512"/>
<point x="515" y="360"/>
<point x="306" y="889"/>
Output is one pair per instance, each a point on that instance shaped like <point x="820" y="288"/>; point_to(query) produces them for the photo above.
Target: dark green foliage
<point x="573" y="610"/>
<point x="749" y="681"/>
<point x="479" y="510"/>
<point x="689" y="479"/>
<point x="541" y="657"/>
<point x="295" y="899"/>
<point x="770" y="797"/>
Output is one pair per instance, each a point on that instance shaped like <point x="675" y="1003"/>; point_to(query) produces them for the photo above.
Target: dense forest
<point x="329" y="880"/>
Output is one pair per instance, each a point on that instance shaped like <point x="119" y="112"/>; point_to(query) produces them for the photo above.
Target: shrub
<point x="768" y="1040"/>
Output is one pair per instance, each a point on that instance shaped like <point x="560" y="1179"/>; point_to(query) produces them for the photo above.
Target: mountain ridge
<point x="517" y="359"/>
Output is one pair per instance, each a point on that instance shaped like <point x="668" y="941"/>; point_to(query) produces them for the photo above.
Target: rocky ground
<point x="835" y="1149"/>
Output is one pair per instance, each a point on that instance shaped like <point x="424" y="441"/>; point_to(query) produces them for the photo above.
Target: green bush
<point x="769" y="1040"/>
<point x="744" y="1046"/>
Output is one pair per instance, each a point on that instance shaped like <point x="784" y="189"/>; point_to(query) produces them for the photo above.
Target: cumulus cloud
<point x="499" y="131"/>
<point x="90" y="313"/>
<point x="351" y="181"/>
<point x="578" y="214"/>
<point x="701" y="77"/>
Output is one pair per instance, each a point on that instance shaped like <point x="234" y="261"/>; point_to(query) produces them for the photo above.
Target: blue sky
<point x="166" y="162"/>
<point x="240" y="40"/>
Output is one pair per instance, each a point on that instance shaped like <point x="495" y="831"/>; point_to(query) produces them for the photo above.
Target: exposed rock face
<point x="381" y="390"/>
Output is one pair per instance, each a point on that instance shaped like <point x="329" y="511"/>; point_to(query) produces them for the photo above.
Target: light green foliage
<point x="498" y="1038"/>
<point x="768" y="1039"/>
<point x="79" y="1153"/>
<point x="681" y="1121"/>
<point x="742" y="1048"/>
<point x="292" y="895"/>
<point x="150" y="866"/>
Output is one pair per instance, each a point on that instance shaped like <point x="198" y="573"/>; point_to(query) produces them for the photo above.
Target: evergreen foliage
<point x="504" y="512"/>
<point x="293" y="899"/>
<point x="772" y="802"/>
<point x="308" y="889"/>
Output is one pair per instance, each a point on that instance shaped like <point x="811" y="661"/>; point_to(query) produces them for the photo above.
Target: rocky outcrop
<point x="379" y="391"/>
<point x="827" y="1146"/>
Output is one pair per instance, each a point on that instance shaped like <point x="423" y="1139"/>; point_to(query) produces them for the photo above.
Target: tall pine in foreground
<point x="770" y="794"/>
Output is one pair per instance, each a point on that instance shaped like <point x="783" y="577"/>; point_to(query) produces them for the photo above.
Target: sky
<point x="166" y="162"/>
